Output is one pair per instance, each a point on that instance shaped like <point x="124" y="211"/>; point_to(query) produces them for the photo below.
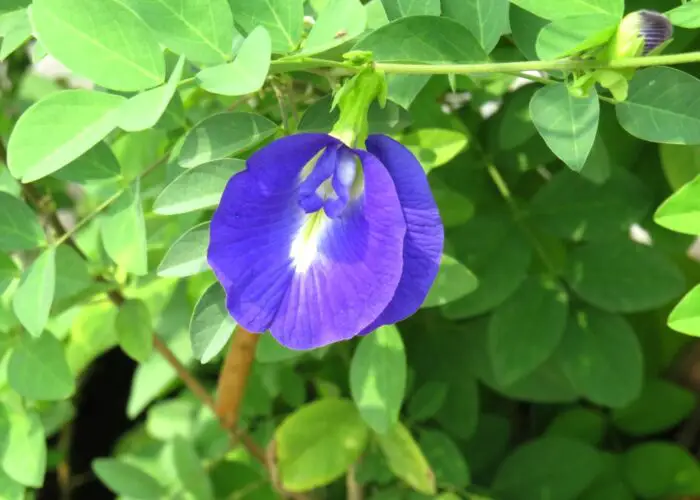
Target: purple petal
<point x="356" y="273"/>
<point x="278" y="165"/>
<point x="357" y="263"/>
<point x="424" y="230"/>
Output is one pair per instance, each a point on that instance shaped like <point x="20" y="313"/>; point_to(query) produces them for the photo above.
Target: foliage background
<point x="541" y="365"/>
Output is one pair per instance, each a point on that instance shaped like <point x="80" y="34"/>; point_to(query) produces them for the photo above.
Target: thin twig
<point x="280" y="101"/>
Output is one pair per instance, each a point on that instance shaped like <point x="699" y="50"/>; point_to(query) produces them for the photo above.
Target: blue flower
<point x="317" y="242"/>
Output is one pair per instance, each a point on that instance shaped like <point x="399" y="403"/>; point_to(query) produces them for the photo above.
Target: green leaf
<point x="685" y="317"/>
<point x="581" y="424"/>
<point x="435" y="147"/>
<point x="602" y="357"/>
<point x="681" y="164"/>
<point x="606" y="274"/>
<point x="454" y="281"/>
<point x="567" y="124"/>
<point x="547" y="384"/>
<point x="8" y="272"/>
<point x="525" y="28"/>
<point x="569" y="36"/>
<point x="681" y="211"/>
<point x="446" y="459"/>
<point x="38" y="369"/>
<point x="318" y="443"/>
<point x="24" y="450"/>
<point x="271" y="351"/>
<point x="123" y="231"/>
<point x="661" y="470"/>
<point x="97" y="163"/>
<point x="190" y="470"/>
<point x="72" y="275"/>
<point x="19" y="227"/>
<point x="403" y="89"/>
<point x="222" y="135"/>
<point x="155" y="376"/>
<point x="552" y="9"/>
<point x="188" y="255"/>
<point x="46" y="137"/>
<point x="200" y="30"/>
<point x="125" y="479"/>
<point x="143" y="111"/>
<point x="526" y="329"/>
<point x="134" y="329"/>
<point x="426" y="39"/>
<point x="549" y="467"/>
<point x="170" y="418"/>
<point x="34" y="296"/>
<point x="487" y="20"/>
<point x="387" y="120"/>
<point x="396" y="9"/>
<point x="105" y="41"/>
<point x="10" y="5"/>
<point x="686" y="15"/>
<point x="11" y="489"/>
<point x="427" y="401"/>
<point x="499" y="258"/>
<point x="283" y="20"/>
<point x="15" y="29"/>
<point x="573" y="207"/>
<point x="338" y="22"/>
<point x="246" y="73"/>
<point x="197" y="188"/>
<point x="661" y="406"/>
<point x="405" y="459"/>
<point x="211" y="325"/>
<point x="661" y="107"/>
<point x="378" y="378"/>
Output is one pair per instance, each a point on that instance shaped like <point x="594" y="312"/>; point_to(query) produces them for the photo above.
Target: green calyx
<point x="354" y="99"/>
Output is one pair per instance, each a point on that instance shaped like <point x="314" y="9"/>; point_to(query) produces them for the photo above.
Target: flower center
<point x="332" y="182"/>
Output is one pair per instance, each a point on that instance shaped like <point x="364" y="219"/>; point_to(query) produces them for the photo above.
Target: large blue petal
<point x="256" y="211"/>
<point x="425" y="233"/>
<point x="357" y="270"/>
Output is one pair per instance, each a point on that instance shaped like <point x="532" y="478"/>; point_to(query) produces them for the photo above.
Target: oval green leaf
<point x="567" y="124"/>
<point x="47" y="138"/>
<point x="378" y="378"/>
<point x="661" y="107"/>
<point x="19" y="227"/>
<point x="405" y="459"/>
<point x="188" y="255"/>
<point x="124" y="57"/>
<point x="318" y="443"/>
<point x="33" y="298"/>
<point x="246" y="73"/>
<point x="198" y="188"/>
<point x="424" y="39"/>
<point x="211" y="325"/>
<point x="38" y="369"/>
<point x="223" y="135"/>
<point x="126" y="479"/>
<point x="134" y="329"/>
<point x="200" y="30"/>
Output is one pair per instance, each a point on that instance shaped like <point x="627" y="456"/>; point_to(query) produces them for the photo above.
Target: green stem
<point x="558" y="65"/>
<point x="87" y="218"/>
<point x="304" y="63"/>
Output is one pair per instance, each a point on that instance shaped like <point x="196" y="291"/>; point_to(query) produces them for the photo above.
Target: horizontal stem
<point x="557" y="65"/>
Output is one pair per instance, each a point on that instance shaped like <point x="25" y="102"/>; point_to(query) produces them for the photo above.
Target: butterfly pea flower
<point x="317" y="241"/>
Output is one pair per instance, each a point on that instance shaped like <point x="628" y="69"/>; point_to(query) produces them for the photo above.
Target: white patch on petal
<point x="305" y="245"/>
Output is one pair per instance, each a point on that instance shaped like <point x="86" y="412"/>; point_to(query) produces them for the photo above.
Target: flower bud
<point x="640" y="33"/>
